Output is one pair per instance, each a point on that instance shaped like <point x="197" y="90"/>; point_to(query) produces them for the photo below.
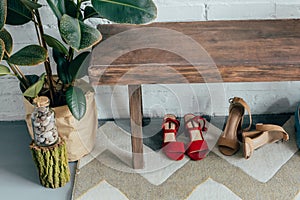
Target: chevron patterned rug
<point x="106" y="173"/>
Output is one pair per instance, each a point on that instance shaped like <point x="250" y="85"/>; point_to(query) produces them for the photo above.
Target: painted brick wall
<point x="112" y="102"/>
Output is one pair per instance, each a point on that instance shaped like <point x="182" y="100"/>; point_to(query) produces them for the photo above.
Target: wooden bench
<point x="240" y="51"/>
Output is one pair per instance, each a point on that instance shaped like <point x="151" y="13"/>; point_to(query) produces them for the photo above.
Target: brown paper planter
<point x="80" y="135"/>
<point x="52" y="164"/>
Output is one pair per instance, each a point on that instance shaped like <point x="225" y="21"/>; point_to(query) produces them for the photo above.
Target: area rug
<point x="271" y="173"/>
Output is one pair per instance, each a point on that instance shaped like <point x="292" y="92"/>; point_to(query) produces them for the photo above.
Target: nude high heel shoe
<point x="264" y="134"/>
<point x="228" y="142"/>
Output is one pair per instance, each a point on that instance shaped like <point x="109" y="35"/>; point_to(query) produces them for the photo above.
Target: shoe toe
<point x="197" y="150"/>
<point x="174" y="150"/>
<point x="227" y="146"/>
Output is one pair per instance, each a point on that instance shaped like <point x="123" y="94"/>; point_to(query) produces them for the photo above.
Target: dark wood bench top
<point x="243" y="51"/>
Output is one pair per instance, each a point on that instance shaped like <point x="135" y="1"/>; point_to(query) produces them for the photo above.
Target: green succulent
<point x="76" y="36"/>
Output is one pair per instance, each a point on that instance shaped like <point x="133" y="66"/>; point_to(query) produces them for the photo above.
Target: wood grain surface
<point x="136" y="115"/>
<point x="230" y="51"/>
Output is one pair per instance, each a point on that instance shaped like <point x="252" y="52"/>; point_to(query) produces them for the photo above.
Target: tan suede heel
<point x="228" y="142"/>
<point x="264" y="134"/>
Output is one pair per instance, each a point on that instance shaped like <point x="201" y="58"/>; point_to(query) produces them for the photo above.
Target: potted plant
<point x="69" y="96"/>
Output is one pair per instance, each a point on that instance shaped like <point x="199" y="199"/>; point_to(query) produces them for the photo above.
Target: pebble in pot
<point x="43" y="122"/>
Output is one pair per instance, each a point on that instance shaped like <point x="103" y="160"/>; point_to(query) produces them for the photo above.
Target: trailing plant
<point x="69" y="52"/>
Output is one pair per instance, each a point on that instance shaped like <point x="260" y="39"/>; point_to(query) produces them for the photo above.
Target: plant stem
<point x="40" y="34"/>
<point x="18" y="73"/>
<point x="78" y="8"/>
<point x="21" y="74"/>
<point x="37" y="30"/>
<point x="24" y="82"/>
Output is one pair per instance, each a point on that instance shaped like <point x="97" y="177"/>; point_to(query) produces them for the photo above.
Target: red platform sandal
<point x="173" y="149"/>
<point x="197" y="149"/>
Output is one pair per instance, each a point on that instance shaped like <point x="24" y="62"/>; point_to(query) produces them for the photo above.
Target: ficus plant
<point x="69" y="52"/>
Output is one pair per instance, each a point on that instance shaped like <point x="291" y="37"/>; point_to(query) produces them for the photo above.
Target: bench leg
<point x="136" y="116"/>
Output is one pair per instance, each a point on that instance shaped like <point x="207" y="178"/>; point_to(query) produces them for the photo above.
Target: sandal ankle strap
<point x="171" y="120"/>
<point x="197" y="119"/>
<point x="241" y="101"/>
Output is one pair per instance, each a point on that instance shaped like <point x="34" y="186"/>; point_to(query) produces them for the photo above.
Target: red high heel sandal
<point x="197" y="149"/>
<point x="173" y="149"/>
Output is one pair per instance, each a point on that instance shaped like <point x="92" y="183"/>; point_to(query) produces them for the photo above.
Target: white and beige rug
<point x="271" y="173"/>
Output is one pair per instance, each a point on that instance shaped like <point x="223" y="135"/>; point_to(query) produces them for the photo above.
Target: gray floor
<point x="18" y="175"/>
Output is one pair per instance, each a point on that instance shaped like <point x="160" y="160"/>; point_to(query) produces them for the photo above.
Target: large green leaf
<point x="76" y="102"/>
<point x="62" y="67"/>
<point x="77" y="34"/>
<point x="2" y="49"/>
<point x="31" y="5"/>
<point x="3" y="9"/>
<point x="4" y="70"/>
<point x="60" y="4"/>
<point x="54" y="43"/>
<point x="61" y="7"/>
<point x="29" y="56"/>
<point x="71" y="9"/>
<point x="34" y="90"/>
<point x="70" y="31"/>
<point x="126" y="11"/>
<point x="7" y="39"/>
<point x="89" y="12"/>
<point x="77" y="65"/>
<point x="57" y="7"/>
<point x="17" y="13"/>
<point x="89" y="36"/>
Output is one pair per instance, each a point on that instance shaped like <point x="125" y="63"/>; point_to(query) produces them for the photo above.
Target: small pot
<point x="80" y="136"/>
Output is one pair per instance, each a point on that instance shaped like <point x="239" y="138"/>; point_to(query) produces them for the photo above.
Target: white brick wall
<point x="287" y="10"/>
<point x="281" y="97"/>
<point x="275" y="97"/>
<point x="176" y="10"/>
<point x="240" y="10"/>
